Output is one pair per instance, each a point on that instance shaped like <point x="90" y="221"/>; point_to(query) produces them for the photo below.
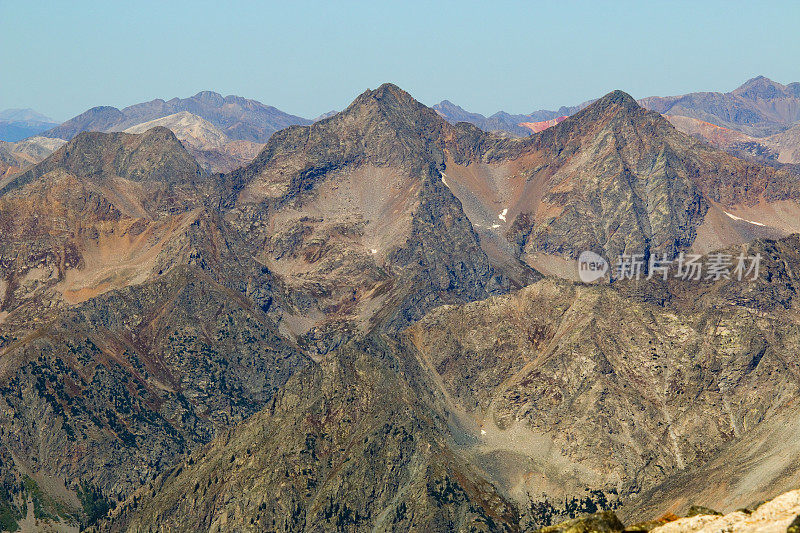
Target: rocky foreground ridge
<point x="779" y="515"/>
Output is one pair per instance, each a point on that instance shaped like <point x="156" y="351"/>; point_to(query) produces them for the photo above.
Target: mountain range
<point x="375" y="324"/>
<point x="501" y="121"/>
<point x="760" y="107"/>
<point x="223" y="133"/>
<point x="727" y="120"/>
<point x="19" y="124"/>
<point x="237" y="117"/>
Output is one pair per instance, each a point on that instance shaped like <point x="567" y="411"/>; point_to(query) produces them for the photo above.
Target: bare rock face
<point x="124" y="383"/>
<point x="301" y="463"/>
<point x="612" y="178"/>
<point x="352" y="214"/>
<point x="133" y="326"/>
<point x="567" y="379"/>
<point x="778" y="515"/>
<point x="565" y="398"/>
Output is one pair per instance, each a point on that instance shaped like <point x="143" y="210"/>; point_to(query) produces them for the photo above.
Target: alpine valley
<point x="216" y="316"/>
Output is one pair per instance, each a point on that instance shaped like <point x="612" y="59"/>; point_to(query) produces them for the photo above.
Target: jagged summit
<point x="615" y="108"/>
<point x="210" y="97"/>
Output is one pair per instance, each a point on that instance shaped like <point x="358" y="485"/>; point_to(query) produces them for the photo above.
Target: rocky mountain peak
<point x="153" y="156"/>
<point x="616" y="107"/>
<point x="761" y="88"/>
<point x="384" y="127"/>
<point x="156" y="153"/>
<point x="616" y="98"/>
<point x="95" y="119"/>
<point x="390" y="101"/>
<point x="209" y="98"/>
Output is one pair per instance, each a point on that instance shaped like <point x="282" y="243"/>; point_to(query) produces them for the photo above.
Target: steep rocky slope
<point x="147" y="306"/>
<point x="541" y="405"/>
<point x="301" y="465"/>
<point x="351" y="213"/>
<point x="134" y="325"/>
<point x="614" y="178"/>
<point x="239" y="118"/>
<point x="626" y="388"/>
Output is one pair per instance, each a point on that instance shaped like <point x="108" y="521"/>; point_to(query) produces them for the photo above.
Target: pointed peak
<point x="209" y="97"/>
<point x="760" y="87"/>
<point x="388" y="86"/>
<point x="388" y="98"/>
<point x="388" y="92"/>
<point x="447" y="105"/>
<point x="614" y="106"/>
<point x="758" y="80"/>
<point x="617" y="98"/>
<point x="613" y="101"/>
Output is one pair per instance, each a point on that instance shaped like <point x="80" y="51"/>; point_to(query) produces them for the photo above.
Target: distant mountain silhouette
<point x="239" y="118"/>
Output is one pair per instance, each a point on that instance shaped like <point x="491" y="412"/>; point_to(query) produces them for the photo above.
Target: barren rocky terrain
<point x="372" y="326"/>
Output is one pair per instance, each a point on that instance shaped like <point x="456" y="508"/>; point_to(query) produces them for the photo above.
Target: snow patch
<point x="495" y="226"/>
<point x="373" y="250"/>
<point x="734" y="217"/>
<point x="483" y="432"/>
<point x="443" y="179"/>
<point x="502" y="216"/>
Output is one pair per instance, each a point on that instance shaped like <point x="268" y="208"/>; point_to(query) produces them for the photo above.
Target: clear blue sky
<point x="309" y="57"/>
